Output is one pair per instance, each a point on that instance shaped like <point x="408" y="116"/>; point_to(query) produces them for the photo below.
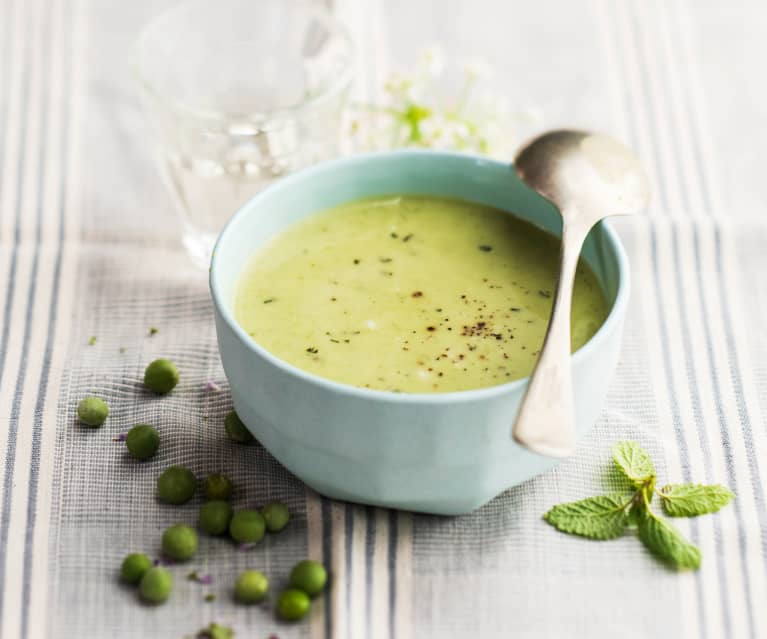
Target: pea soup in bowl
<point x="378" y="315"/>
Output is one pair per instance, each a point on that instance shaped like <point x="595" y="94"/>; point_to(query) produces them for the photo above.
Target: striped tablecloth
<point x="89" y="247"/>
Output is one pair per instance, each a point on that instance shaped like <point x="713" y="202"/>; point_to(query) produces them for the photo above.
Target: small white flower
<point x="433" y="130"/>
<point x="489" y="104"/>
<point x="478" y="69"/>
<point x="432" y="61"/>
<point x="398" y="84"/>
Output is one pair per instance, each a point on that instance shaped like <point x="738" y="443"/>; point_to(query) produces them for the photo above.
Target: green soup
<point x="411" y="294"/>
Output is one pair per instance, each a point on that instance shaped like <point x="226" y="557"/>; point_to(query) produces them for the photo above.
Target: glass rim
<point x="342" y="80"/>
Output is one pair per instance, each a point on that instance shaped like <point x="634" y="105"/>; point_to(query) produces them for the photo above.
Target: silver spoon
<point x="587" y="176"/>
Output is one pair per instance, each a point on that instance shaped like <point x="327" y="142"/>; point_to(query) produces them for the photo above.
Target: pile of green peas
<point x="161" y="376"/>
<point x="155" y="583"/>
<point x="177" y="485"/>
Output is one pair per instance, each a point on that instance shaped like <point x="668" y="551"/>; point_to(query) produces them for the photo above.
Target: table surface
<point x="89" y="247"/>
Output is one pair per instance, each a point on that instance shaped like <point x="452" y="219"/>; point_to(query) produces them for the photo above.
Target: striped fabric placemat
<point x="89" y="247"/>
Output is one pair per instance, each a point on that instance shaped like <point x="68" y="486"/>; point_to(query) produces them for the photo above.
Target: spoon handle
<point x="546" y="419"/>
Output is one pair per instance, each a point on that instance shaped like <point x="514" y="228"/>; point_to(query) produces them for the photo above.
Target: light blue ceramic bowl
<point x="440" y="453"/>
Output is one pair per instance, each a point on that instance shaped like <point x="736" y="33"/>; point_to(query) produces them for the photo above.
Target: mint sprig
<point x="608" y="516"/>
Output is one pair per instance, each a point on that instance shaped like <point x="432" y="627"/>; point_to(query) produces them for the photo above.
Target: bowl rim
<point x="614" y="316"/>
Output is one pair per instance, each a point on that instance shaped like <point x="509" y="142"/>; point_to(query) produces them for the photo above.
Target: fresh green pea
<point x="309" y="576"/>
<point x="251" y="586"/>
<point x="276" y="516"/>
<point x="179" y="542"/>
<point x="216" y="631"/>
<point x="293" y="604"/>
<point x="247" y="526"/>
<point x="236" y="429"/>
<point x="156" y="585"/>
<point x="134" y="567"/>
<point x="92" y="411"/>
<point x="161" y="376"/>
<point x="218" y="486"/>
<point x="176" y="485"/>
<point x="215" y="516"/>
<point x="142" y="441"/>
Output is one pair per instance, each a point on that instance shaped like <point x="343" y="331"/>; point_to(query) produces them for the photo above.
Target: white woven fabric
<point x="89" y="247"/>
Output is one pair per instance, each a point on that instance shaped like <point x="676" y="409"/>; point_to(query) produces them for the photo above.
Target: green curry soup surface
<point x="410" y="294"/>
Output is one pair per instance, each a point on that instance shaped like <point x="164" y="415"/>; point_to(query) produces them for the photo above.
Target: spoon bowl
<point x="597" y="174"/>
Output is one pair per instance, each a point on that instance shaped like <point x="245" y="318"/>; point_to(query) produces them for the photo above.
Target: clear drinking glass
<point x="240" y="92"/>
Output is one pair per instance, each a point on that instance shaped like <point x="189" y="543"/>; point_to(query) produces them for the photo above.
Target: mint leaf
<point x="691" y="500"/>
<point x="667" y="543"/>
<point x="602" y="517"/>
<point x="615" y="481"/>
<point x="633" y="462"/>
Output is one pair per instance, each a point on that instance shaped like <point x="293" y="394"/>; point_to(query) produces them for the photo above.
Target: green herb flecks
<point x="92" y="341"/>
<point x="153" y="330"/>
<point x="608" y="516"/>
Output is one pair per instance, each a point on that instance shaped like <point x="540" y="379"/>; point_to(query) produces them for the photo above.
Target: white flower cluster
<point x="417" y="110"/>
